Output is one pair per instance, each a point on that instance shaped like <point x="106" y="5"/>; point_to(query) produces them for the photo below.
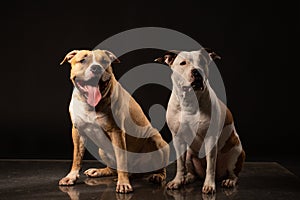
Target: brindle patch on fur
<point x="239" y="164"/>
<point x="232" y="141"/>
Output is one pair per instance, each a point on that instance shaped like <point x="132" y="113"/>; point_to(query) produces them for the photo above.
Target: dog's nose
<point x="96" y="69"/>
<point x="195" y="73"/>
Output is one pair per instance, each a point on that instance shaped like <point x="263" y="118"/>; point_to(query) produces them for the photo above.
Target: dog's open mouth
<point x="91" y="89"/>
<point x="197" y="85"/>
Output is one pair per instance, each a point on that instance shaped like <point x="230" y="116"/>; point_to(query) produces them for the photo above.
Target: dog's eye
<point x="82" y="60"/>
<point x="104" y="62"/>
<point x="183" y="63"/>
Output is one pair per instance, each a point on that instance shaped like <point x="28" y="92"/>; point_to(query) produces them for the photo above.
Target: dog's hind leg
<point x="231" y="159"/>
<point x="158" y="176"/>
<point x="234" y="167"/>
<point x="94" y="172"/>
<point x="160" y="159"/>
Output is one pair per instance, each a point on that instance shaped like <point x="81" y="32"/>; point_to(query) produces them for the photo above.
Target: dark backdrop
<point x="257" y="42"/>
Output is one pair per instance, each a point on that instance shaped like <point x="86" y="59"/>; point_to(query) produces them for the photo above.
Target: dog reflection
<point x="71" y="191"/>
<point x="189" y="193"/>
<point x="230" y="192"/>
<point x="107" y="192"/>
<point x="108" y="187"/>
<point x="192" y="192"/>
<point x="109" y="184"/>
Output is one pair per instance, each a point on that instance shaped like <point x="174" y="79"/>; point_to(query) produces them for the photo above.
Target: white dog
<point x="205" y="140"/>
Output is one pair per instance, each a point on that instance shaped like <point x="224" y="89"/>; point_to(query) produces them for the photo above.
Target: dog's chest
<point x="82" y="114"/>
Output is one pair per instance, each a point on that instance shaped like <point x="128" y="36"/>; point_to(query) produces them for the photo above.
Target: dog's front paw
<point x="123" y="187"/>
<point x="175" y="183"/>
<point x="68" y="180"/>
<point x="209" y="188"/>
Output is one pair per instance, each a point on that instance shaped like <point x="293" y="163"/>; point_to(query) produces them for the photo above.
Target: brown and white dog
<point x="103" y="111"/>
<point x="206" y="142"/>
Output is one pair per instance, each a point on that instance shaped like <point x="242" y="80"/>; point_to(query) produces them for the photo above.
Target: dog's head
<point x="190" y="69"/>
<point x="91" y="72"/>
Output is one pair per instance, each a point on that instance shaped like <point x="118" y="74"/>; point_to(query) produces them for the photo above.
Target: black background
<point x="258" y="43"/>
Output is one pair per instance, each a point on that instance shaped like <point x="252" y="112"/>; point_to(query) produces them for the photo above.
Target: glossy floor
<point x="38" y="180"/>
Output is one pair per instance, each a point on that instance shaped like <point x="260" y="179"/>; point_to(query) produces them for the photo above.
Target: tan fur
<point x="240" y="162"/>
<point x="232" y="141"/>
<point x="136" y="114"/>
<point x="111" y="115"/>
<point x="228" y="118"/>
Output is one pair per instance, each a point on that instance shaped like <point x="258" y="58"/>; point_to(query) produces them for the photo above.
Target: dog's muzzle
<point x="96" y="69"/>
<point x="95" y="86"/>
<point x="197" y="83"/>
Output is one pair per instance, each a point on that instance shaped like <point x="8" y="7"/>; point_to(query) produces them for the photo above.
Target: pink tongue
<point x="94" y="95"/>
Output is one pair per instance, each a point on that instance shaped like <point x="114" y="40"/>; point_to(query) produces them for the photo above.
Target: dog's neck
<point x="105" y="102"/>
<point x="107" y="91"/>
<point x="204" y="100"/>
<point x="201" y="102"/>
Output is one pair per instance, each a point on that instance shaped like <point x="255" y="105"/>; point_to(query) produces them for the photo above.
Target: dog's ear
<point x="112" y="57"/>
<point x="69" y="56"/>
<point x="212" y="54"/>
<point x="168" y="58"/>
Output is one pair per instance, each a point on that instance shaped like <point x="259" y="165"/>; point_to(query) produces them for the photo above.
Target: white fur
<point x="197" y="117"/>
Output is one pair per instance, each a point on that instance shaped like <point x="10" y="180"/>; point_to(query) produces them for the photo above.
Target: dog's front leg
<point x="78" y="152"/>
<point x="119" y="144"/>
<point x="180" y="148"/>
<point x="209" y="185"/>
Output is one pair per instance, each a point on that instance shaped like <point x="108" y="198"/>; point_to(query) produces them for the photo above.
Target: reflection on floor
<point x="38" y="180"/>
